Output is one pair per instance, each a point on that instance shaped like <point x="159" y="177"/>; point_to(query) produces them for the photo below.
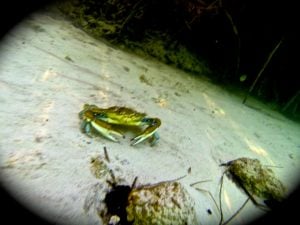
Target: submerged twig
<point x="132" y="13"/>
<point x="220" y="199"/>
<point x="263" y="69"/>
<point x="236" y="33"/>
<point x="206" y="191"/>
<point x="211" y="196"/>
<point x="293" y="99"/>
<point x="199" y="182"/>
<point x="106" y="154"/>
<point x="237" y="212"/>
<point x="134" y="182"/>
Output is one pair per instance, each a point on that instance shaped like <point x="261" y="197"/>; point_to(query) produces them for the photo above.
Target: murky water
<point x="49" y="69"/>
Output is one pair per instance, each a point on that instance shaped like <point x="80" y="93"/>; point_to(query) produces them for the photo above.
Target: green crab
<point x="102" y="119"/>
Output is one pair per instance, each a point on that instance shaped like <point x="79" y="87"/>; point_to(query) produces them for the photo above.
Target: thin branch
<point x="106" y="154"/>
<point x="134" y="182"/>
<point x="236" y="33"/>
<point x="237" y="212"/>
<point x="199" y="182"/>
<point x="263" y="69"/>
<point x="133" y="11"/>
<point x="211" y="196"/>
<point x="291" y="101"/>
<point x="203" y="190"/>
<point x="220" y="199"/>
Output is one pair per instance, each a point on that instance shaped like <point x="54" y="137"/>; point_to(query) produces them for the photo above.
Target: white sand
<point x="49" y="69"/>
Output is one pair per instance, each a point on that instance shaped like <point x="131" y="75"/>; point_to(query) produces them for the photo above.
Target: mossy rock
<point x="256" y="179"/>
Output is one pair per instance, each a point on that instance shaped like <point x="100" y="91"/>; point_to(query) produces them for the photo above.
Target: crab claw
<point x="106" y="130"/>
<point x="148" y="132"/>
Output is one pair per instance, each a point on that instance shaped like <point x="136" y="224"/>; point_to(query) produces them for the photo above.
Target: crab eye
<point x="100" y="115"/>
<point x="147" y="120"/>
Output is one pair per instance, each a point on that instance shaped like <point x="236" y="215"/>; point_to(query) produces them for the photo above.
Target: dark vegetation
<point x="228" y="40"/>
<point x="231" y="41"/>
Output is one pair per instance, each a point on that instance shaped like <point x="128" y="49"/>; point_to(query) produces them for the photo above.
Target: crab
<point x="103" y="119"/>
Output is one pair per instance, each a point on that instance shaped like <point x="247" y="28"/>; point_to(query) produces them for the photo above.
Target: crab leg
<point x="86" y="128"/>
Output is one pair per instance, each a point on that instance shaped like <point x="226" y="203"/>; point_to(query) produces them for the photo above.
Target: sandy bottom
<point x="49" y="69"/>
